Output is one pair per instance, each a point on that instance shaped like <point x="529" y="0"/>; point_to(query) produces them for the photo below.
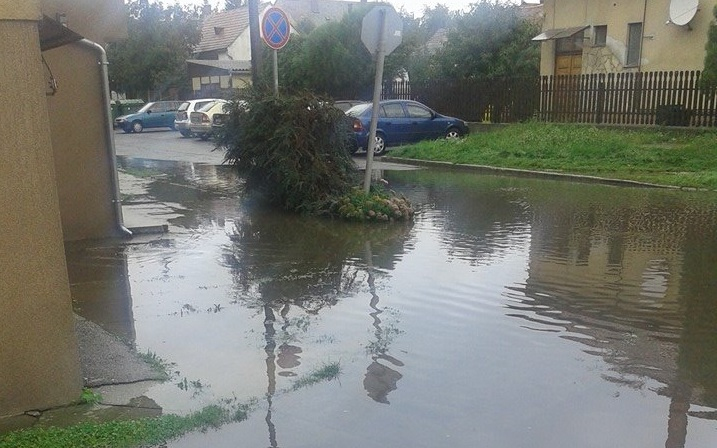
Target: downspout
<point x="109" y="134"/>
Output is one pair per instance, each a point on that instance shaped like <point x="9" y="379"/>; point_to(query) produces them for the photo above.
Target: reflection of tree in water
<point x="638" y="276"/>
<point x="282" y="262"/>
<point x="280" y="259"/>
<point x="478" y="213"/>
<point x="380" y="379"/>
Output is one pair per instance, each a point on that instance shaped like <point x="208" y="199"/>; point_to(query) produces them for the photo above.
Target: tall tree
<point x="493" y="39"/>
<point x="332" y="60"/>
<point x="152" y="58"/>
<point x="709" y="75"/>
<point x="234" y="4"/>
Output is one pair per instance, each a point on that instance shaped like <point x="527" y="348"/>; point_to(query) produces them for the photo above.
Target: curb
<point x="537" y="174"/>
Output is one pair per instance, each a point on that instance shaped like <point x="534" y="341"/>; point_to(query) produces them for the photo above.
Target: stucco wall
<point x="665" y="46"/>
<point x="81" y="158"/>
<point x="38" y="353"/>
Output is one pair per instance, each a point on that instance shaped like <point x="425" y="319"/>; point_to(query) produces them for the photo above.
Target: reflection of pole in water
<point x="677" y="420"/>
<point x="379" y="379"/>
<point x="269" y="348"/>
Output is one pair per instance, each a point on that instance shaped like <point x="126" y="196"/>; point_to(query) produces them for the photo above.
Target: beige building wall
<point x="77" y="121"/>
<point x="38" y="353"/>
<point x="665" y="46"/>
<point x="82" y="161"/>
<point x="56" y="183"/>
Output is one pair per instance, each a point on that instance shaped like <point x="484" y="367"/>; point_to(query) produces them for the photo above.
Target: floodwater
<point x="512" y="313"/>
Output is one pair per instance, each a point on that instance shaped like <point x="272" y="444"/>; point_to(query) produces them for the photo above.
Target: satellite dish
<point x="682" y="11"/>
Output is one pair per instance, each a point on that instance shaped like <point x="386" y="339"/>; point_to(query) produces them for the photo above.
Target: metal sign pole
<point x="276" y="72"/>
<point x="377" y="84"/>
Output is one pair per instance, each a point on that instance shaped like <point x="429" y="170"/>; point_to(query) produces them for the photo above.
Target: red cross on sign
<point x="275" y="28"/>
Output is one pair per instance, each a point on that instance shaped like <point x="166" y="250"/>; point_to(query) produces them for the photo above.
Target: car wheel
<point x="137" y="126"/>
<point x="453" y="133"/>
<point x="185" y="133"/>
<point x="204" y="137"/>
<point x="380" y="147"/>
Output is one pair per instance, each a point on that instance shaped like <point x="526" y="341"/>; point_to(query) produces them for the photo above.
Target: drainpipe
<point x="109" y="134"/>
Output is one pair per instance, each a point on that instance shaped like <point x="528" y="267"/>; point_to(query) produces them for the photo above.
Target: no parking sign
<point x="275" y="28"/>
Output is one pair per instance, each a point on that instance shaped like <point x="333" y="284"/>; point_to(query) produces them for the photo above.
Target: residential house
<point x="58" y="184"/>
<point x="222" y="59"/>
<point x="608" y="36"/>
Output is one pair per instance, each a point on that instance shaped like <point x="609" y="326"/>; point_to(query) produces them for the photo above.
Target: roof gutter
<point x="109" y="134"/>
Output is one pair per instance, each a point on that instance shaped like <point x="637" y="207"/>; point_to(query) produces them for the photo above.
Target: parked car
<point x="401" y="122"/>
<point x="219" y="119"/>
<point x="157" y="114"/>
<point x="200" y="121"/>
<point x="181" y="120"/>
<point x="345" y="105"/>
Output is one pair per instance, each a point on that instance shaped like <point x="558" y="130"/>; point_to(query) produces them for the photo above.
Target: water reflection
<point x="497" y="284"/>
<point x="380" y="379"/>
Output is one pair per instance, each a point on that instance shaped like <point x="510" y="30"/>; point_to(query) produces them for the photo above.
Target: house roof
<point x="436" y="42"/>
<point x="316" y="11"/>
<point x="221" y="29"/>
<point x="229" y="65"/>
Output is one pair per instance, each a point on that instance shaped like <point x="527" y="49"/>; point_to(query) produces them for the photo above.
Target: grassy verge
<point x="125" y="434"/>
<point x="149" y="431"/>
<point x="662" y="156"/>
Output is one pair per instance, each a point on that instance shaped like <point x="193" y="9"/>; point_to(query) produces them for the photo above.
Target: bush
<point x="295" y="149"/>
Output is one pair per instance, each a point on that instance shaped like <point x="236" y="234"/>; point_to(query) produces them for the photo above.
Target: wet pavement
<point x="512" y="312"/>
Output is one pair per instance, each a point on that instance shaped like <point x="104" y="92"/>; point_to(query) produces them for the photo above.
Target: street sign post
<point x="381" y="33"/>
<point x="275" y="30"/>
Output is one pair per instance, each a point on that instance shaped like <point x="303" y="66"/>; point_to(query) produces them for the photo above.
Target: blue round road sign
<point x="275" y="28"/>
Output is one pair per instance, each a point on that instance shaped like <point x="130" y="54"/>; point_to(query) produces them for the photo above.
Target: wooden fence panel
<point x="640" y="98"/>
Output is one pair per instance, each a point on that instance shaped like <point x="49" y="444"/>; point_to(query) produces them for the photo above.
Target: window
<point x="415" y="111"/>
<point x="394" y="110"/>
<point x="600" y="35"/>
<point x="572" y="44"/>
<point x="634" y="43"/>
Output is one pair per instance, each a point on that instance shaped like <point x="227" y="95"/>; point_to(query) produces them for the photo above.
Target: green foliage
<point x="327" y="372"/>
<point x="90" y="397"/>
<point x="160" y="40"/>
<point x="125" y="434"/>
<point x="492" y="40"/>
<point x="378" y="205"/>
<point x="331" y="60"/>
<point x="158" y="364"/>
<point x="669" y="157"/>
<point x="709" y="74"/>
<point x="295" y="149"/>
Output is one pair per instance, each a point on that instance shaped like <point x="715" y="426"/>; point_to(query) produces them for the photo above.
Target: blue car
<point x="401" y="122"/>
<point x="159" y="114"/>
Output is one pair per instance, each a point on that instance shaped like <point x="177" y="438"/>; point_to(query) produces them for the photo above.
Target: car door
<point x="392" y="123"/>
<point x="422" y="123"/>
<point x="153" y="116"/>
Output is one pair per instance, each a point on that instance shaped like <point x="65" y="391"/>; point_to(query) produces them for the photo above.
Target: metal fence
<point x="645" y="98"/>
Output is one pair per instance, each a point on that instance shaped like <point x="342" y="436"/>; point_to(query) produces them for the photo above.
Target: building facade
<point x="608" y="36"/>
<point x="56" y="179"/>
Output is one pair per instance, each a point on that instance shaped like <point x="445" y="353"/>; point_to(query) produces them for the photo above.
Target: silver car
<point x="200" y="121"/>
<point x="181" y="121"/>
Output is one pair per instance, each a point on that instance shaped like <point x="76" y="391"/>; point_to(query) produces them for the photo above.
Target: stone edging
<point x="534" y="173"/>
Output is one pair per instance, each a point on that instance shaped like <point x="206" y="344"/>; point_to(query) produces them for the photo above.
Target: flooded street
<point x="511" y="313"/>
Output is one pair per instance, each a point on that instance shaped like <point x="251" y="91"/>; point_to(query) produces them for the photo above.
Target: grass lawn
<point x="684" y="158"/>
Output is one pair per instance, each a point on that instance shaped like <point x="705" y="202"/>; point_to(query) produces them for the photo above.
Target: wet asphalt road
<point x="165" y="144"/>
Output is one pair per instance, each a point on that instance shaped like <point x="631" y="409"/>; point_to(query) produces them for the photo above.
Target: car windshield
<point x="183" y="107"/>
<point x="358" y="110"/>
<point x="145" y="108"/>
<point x="208" y="106"/>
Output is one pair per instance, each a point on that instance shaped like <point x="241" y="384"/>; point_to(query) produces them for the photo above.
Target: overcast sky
<point x="411" y="6"/>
